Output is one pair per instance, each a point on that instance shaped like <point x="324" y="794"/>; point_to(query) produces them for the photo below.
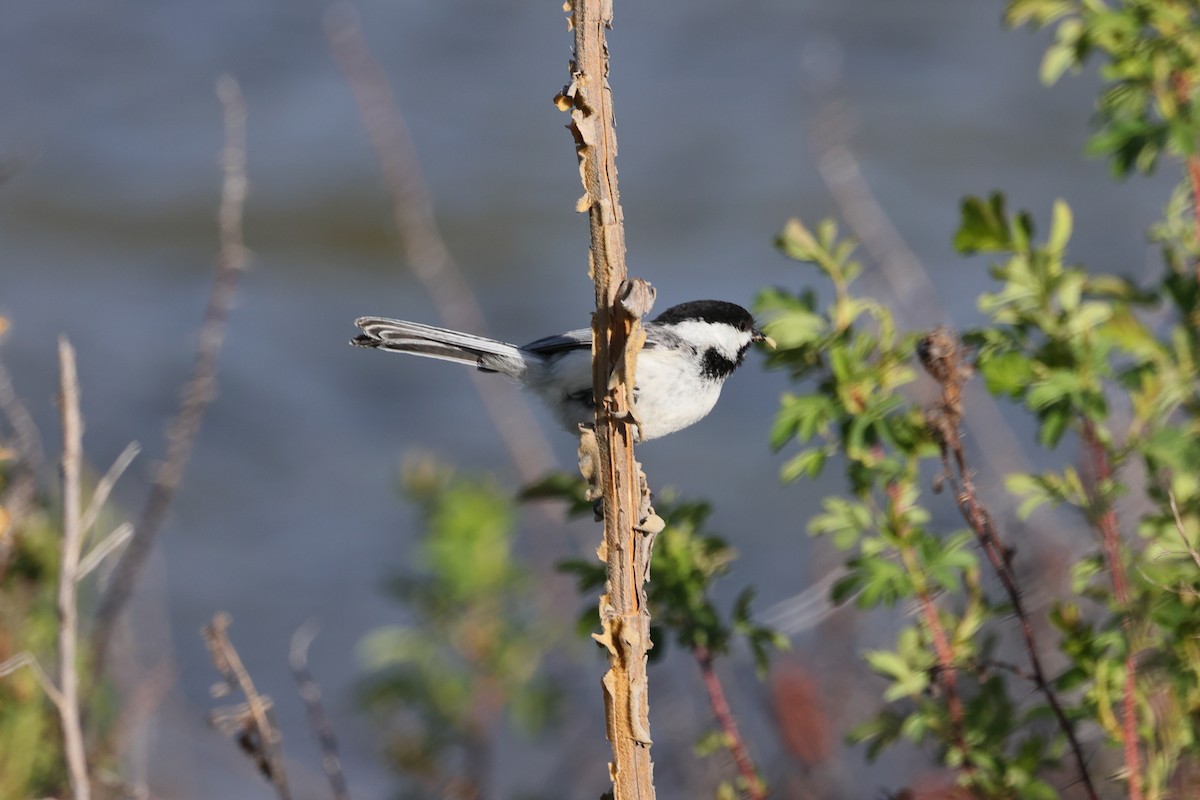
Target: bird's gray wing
<point x="562" y="343"/>
<point x="565" y="342"/>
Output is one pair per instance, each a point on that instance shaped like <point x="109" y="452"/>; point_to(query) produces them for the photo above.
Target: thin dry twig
<point x="252" y="723"/>
<point x="321" y="725"/>
<point x="68" y="575"/>
<point x="105" y="486"/>
<point x="754" y="787"/>
<point x="201" y="386"/>
<point x="108" y="545"/>
<point x="944" y="359"/>
<point x="424" y="250"/>
<point x="1192" y="551"/>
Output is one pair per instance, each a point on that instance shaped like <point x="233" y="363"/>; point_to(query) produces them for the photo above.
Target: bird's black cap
<point x="714" y="311"/>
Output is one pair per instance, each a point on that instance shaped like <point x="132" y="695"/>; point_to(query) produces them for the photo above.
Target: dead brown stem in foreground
<point x="607" y="458"/>
<point x="424" y="250"/>
<point x="68" y="571"/>
<point x="252" y="723"/>
<point x="318" y="720"/>
<point x="944" y="359"/>
<point x="201" y="386"/>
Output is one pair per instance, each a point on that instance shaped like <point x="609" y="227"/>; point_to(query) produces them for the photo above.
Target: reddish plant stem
<point x="946" y="674"/>
<point x="1193" y="169"/>
<point x="1104" y="517"/>
<point x="755" y="790"/>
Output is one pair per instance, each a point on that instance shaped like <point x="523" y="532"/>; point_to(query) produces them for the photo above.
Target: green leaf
<point x="795" y="328"/>
<point x="710" y="742"/>
<point x="1057" y="60"/>
<point x="1054" y="425"/>
<point x="983" y="227"/>
<point x="1007" y="374"/>
<point x="809" y="463"/>
<point x="798" y="242"/>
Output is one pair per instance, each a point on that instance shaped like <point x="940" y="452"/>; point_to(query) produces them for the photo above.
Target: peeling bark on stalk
<point x="606" y="456"/>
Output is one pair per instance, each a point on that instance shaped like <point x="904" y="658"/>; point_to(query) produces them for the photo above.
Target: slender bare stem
<point x="321" y="725"/>
<point x="72" y="545"/>
<point x="1192" y="551"/>
<point x="755" y="790"/>
<point x="107" y="546"/>
<point x="943" y="358"/>
<point x="252" y="723"/>
<point x="201" y="386"/>
<point x="424" y="250"/>
<point x="105" y="486"/>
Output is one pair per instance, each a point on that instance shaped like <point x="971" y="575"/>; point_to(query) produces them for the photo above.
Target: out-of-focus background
<point x="110" y="134"/>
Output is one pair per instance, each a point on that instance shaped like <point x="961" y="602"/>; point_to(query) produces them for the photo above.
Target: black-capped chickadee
<point x="690" y="350"/>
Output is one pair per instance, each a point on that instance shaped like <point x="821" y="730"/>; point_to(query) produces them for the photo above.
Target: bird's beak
<point x="759" y="336"/>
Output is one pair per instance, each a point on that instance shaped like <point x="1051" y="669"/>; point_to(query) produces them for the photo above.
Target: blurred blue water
<point x="289" y="512"/>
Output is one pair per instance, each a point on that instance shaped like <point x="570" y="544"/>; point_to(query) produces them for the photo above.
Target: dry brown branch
<point x="68" y="572"/>
<point x="424" y="250"/>
<point x="754" y="787"/>
<point x="607" y="458"/>
<point x="108" y="545"/>
<point x="943" y="357"/>
<point x="251" y="724"/>
<point x="201" y="386"/>
<point x="322" y="726"/>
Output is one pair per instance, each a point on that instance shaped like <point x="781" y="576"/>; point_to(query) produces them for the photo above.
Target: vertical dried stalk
<point x="72" y="546"/>
<point x="201" y="386"/>
<point x="943" y="358"/>
<point x="616" y="337"/>
<point x="318" y="719"/>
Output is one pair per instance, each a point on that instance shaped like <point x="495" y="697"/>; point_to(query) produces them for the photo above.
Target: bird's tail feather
<point x="399" y="336"/>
